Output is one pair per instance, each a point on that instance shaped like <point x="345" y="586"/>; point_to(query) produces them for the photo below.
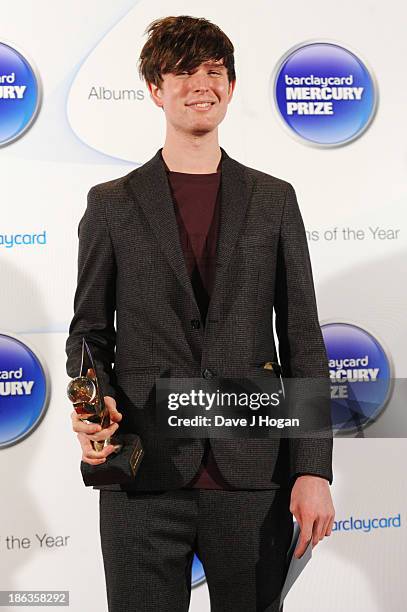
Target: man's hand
<point x="90" y="431"/>
<point x="312" y="506"/>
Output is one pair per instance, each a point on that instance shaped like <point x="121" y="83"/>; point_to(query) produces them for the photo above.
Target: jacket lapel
<point x="235" y="197"/>
<point x="152" y="191"/>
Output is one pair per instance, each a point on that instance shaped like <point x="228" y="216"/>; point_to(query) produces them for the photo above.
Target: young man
<point x="193" y="251"/>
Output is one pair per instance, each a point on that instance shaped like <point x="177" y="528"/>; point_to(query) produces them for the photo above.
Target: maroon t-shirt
<point x="196" y="200"/>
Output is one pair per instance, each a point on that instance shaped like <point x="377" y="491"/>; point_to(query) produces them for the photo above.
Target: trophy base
<point x="119" y="468"/>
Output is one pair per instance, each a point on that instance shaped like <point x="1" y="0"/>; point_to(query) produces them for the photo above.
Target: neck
<point x="192" y="154"/>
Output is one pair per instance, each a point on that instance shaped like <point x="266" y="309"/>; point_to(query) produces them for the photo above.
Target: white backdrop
<point x="79" y="140"/>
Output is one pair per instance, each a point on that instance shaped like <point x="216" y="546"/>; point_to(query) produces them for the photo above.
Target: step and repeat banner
<point x="319" y="102"/>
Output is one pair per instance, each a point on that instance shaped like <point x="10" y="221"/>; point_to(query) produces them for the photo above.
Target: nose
<point x="199" y="82"/>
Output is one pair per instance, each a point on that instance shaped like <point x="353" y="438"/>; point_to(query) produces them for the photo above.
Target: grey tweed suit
<point x="131" y="263"/>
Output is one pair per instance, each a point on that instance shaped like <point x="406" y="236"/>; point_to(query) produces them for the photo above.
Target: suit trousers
<point x="149" y="538"/>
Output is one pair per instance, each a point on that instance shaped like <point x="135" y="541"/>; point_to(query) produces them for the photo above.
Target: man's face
<point x="208" y="86"/>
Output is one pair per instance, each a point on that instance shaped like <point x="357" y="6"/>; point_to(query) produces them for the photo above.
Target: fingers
<point x="110" y="403"/>
<point x="91" y="456"/>
<point x="301" y="548"/>
<point x="80" y="427"/>
<point x="318" y="532"/>
<point x="303" y="540"/>
<point x="106" y="432"/>
<point x="92" y="430"/>
<point x="88" y="432"/>
<point x="325" y="524"/>
<point x="330" y="526"/>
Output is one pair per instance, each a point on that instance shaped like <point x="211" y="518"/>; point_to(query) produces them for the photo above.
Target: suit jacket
<point x="131" y="265"/>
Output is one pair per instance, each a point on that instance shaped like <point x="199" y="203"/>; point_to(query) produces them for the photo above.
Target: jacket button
<point x="207" y="373"/>
<point x="195" y="323"/>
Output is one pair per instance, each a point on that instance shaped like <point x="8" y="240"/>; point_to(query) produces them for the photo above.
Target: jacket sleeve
<point x="301" y="345"/>
<point x="95" y="299"/>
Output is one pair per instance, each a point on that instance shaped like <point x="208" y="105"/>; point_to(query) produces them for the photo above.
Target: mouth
<point x="201" y="106"/>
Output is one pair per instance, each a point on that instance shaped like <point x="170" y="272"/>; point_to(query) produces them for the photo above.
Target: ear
<point x="231" y="89"/>
<point x="155" y="94"/>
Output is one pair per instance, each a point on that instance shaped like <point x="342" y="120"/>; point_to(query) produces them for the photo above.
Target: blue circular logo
<point x="20" y="94"/>
<point x="360" y="374"/>
<point x="324" y="94"/>
<point x="198" y="574"/>
<point x="23" y="391"/>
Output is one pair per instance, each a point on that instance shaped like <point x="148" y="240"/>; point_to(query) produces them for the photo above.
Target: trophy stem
<point x="98" y="446"/>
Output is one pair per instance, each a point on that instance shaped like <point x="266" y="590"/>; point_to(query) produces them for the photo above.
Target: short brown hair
<point x="183" y="42"/>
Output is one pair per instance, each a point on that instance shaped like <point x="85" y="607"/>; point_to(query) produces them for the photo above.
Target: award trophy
<point x="85" y="394"/>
